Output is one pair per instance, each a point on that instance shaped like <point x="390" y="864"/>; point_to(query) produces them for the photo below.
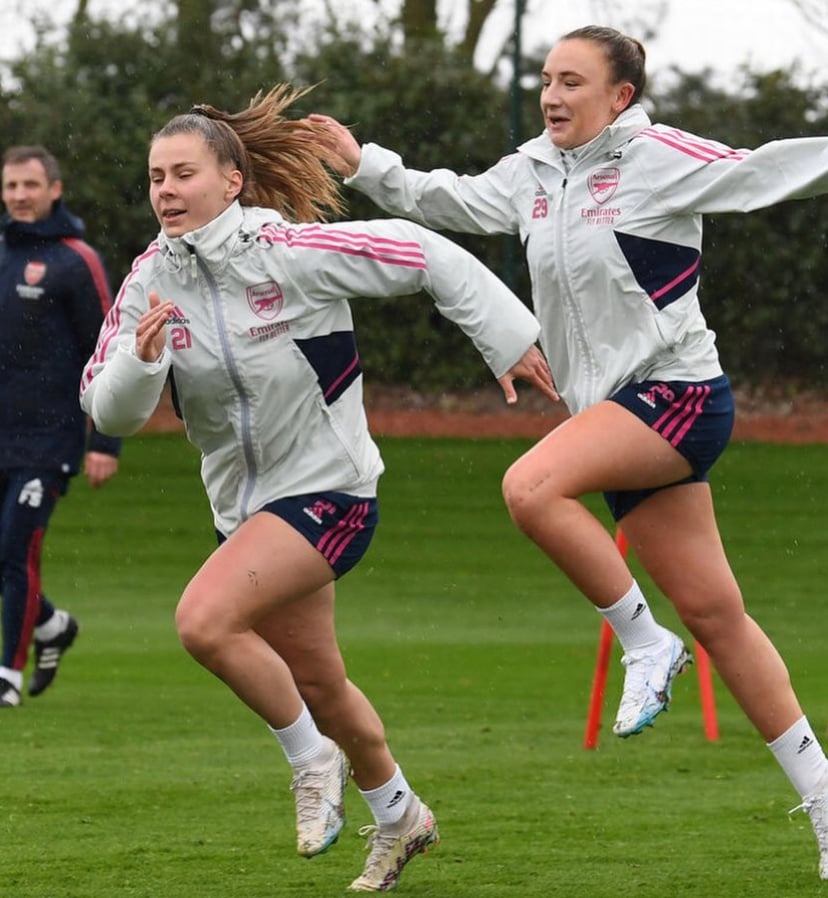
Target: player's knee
<point x="198" y="630"/>
<point x="712" y="622"/>
<point x="323" y="693"/>
<point x="521" y="500"/>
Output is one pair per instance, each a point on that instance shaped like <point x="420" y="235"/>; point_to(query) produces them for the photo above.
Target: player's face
<point x="578" y="99"/>
<point x="188" y="187"/>
<point x="28" y="193"/>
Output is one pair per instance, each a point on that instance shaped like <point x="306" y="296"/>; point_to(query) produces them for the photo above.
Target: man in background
<point x="54" y="295"/>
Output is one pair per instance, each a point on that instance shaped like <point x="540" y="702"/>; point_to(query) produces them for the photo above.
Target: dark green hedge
<point x="96" y="98"/>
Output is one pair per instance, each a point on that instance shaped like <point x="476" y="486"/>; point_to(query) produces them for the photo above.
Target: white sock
<point x="801" y="757"/>
<point x="56" y="624"/>
<point x="388" y="802"/>
<point x="301" y="741"/>
<point x="633" y="622"/>
<point x="15" y="677"/>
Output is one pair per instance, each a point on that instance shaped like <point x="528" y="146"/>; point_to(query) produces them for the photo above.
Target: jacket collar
<point x="59" y="223"/>
<point x="631" y="122"/>
<point x="213" y="242"/>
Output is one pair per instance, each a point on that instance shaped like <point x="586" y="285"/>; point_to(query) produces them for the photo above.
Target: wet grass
<point x="138" y="774"/>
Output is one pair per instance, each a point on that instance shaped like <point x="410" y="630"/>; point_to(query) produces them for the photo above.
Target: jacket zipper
<point x="569" y="300"/>
<point x="224" y="339"/>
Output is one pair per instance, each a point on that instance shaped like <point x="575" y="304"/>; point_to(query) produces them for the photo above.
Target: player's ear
<point x="235" y="184"/>
<point x="623" y="96"/>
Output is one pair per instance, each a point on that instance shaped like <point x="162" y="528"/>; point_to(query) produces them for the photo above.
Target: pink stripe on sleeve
<point x="112" y="322"/>
<point x="706" y="151"/>
<point x="337" y="240"/>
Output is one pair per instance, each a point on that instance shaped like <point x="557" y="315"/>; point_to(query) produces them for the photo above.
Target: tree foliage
<point x="96" y="97"/>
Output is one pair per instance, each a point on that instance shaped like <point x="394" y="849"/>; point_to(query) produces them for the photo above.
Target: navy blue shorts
<point x="338" y="525"/>
<point x="695" y="418"/>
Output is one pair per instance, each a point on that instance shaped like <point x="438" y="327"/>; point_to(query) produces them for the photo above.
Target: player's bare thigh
<point x="265" y="564"/>
<point x="674" y="535"/>
<point x="602" y="448"/>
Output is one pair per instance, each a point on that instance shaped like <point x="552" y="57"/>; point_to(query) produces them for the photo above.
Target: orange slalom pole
<point x="708" y="699"/>
<point x="599" y="685"/>
<point x="599" y="679"/>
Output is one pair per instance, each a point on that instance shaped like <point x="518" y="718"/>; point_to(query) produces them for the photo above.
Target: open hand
<point x="150" y="334"/>
<point x="343" y="148"/>
<point x="531" y="367"/>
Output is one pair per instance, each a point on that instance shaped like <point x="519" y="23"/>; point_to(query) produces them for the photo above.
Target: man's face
<point x="27" y="192"/>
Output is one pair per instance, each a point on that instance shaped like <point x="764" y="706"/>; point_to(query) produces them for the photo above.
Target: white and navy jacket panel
<point x="613" y="242"/>
<point x="262" y="351"/>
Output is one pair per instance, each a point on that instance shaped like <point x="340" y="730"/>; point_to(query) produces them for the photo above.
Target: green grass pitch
<point x="138" y="775"/>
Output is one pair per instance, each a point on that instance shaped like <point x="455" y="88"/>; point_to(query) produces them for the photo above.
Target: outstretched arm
<point x="391" y="257"/>
<point x="478" y="204"/>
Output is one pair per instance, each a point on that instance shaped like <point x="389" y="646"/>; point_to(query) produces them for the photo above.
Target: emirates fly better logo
<point x="266" y="300"/>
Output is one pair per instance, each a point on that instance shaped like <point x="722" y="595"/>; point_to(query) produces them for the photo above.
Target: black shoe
<point x="9" y="695"/>
<point x="47" y="657"/>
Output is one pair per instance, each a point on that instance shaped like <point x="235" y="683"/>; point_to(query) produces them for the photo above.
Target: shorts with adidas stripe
<point x="338" y="525"/>
<point x="696" y="418"/>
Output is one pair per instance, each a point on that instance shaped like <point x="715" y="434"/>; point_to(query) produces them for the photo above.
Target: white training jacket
<point x="612" y="237"/>
<point x="261" y="347"/>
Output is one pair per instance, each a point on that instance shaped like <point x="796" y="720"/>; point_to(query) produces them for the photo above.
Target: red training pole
<point x="708" y="699"/>
<point x="599" y="683"/>
<point x="599" y="679"/>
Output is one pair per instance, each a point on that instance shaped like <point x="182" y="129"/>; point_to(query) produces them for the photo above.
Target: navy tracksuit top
<point x="54" y="294"/>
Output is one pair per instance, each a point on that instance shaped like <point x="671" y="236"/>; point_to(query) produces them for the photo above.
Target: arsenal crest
<point x="603" y="183"/>
<point x="266" y="300"/>
<point x="33" y="273"/>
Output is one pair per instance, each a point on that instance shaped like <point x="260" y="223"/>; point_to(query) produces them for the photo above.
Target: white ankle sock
<point x="52" y="627"/>
<point x="301" y="741"/>
<point x="801" y="757"/>
<point x="633" y="622"/>
<point x="15" y="677"/>
<point x="389" y="802"/>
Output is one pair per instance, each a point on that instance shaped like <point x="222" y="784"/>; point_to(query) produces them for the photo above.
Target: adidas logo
<point x="31" y="494"/>
<point x="319" y="508"/>
<point x="398" y="797"/>
<point x="639" y="610"/>
<point x="178" y="316"/>
<point x="805" y="743"/>
<point x="313" y="513"/>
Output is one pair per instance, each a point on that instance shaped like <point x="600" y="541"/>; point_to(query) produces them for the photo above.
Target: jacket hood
<point x="60" y="223"/>
<point x="621" y="131"/>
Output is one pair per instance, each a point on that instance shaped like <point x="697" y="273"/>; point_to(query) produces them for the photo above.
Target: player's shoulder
<point x="678" y="143"/>
<point x="150" y="255"/>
